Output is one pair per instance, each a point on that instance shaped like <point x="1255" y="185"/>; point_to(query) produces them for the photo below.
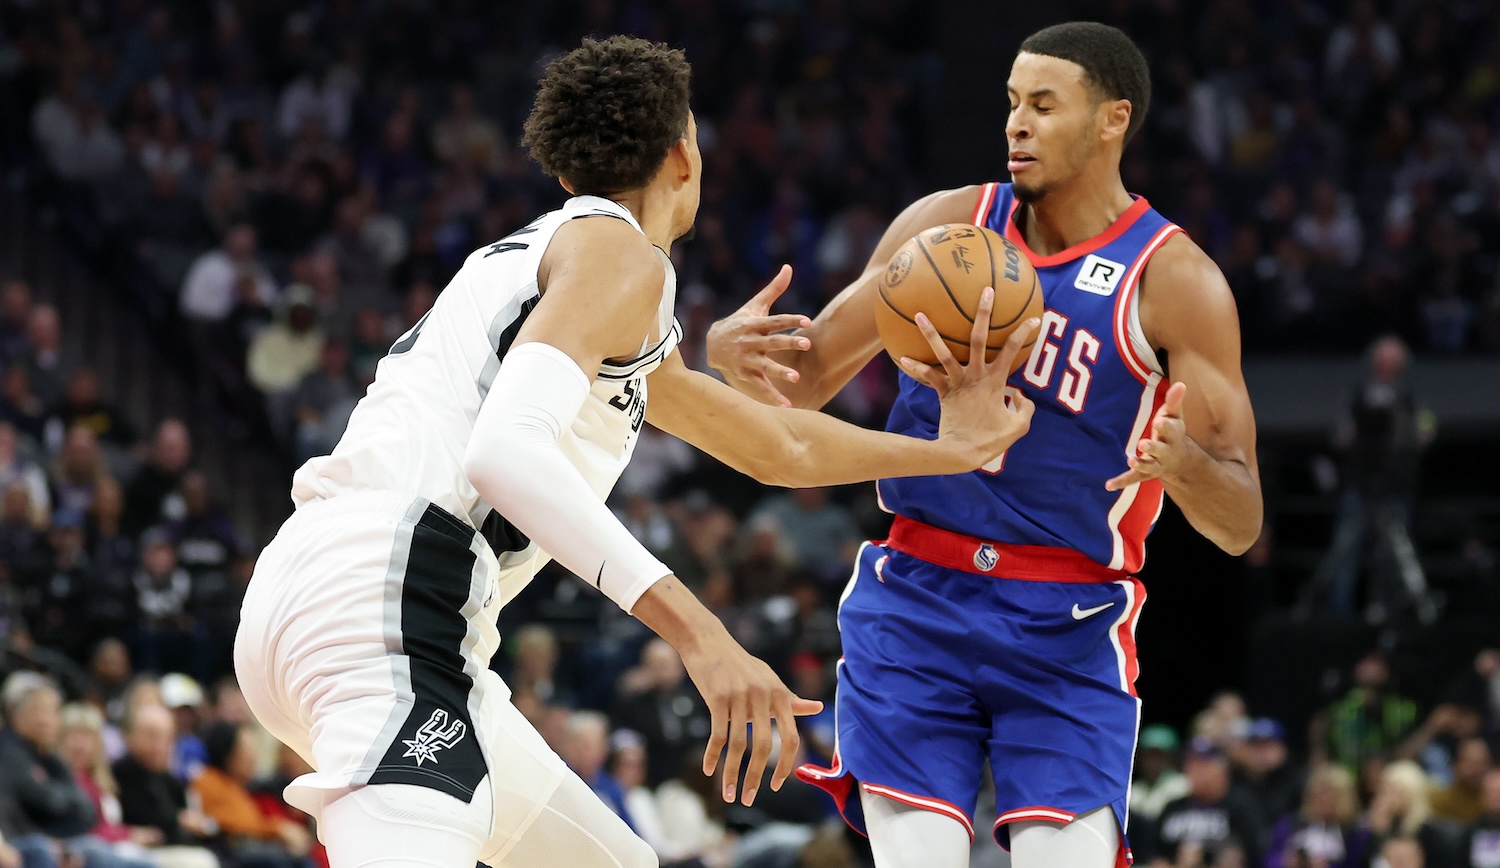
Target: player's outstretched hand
<point x="742" y="692"/>
<point x="739" y="345"/>
<point x="979" y="413"/>
<point x="1161" y="453"/>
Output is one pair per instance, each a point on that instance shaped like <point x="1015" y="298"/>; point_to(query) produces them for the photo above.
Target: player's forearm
<point x="822" y="450"/>
<point x="675" y="614"/>
<point x="1220" y="498"/>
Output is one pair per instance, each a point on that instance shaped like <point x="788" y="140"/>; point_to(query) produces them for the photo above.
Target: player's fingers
<point x="1124" y="480"/>
<point x="925" y="374"/>
<point x="760" y="749"/>
<point x="1014" y="343"/>
<point x="979" y="335"/>
<point x="1171" y="405"/>
<point x="773" y="290"/>
<point x="718" y="728"/>
<point x="762" y="384"/>
<point x="1023" y="406"/>
<point x="738" y="719"/>
<point x="940" y="349"/>
<point x="775" y="371"/>
<point x="803" y="707"/>
<point x="779" y="322"/>
<point x="791" y="740"/>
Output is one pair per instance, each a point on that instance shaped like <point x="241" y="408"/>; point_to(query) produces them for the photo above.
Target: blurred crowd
<point x="298" y="181"/>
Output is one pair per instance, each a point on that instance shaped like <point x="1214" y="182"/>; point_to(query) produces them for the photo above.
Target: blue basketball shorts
<point x="958" y="650"/>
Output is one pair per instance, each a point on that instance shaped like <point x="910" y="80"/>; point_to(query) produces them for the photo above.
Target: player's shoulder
<point x="1179" y="265"/>
<point x="602" y="247"/>
<point x="1183" y="294"/>
<point x="953" y="205"/>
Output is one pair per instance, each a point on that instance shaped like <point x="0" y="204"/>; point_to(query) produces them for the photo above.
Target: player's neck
<point x="653" y="212"/>
<point x="1071" y="215"/>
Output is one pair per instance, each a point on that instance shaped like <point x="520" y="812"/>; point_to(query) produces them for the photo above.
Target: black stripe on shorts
<point x="437" y="746"/>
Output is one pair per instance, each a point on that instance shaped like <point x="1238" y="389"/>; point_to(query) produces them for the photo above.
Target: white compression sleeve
<point x="903" y="836"/>
<point x="1090" y="841"/>
<point x="514" y="462"/>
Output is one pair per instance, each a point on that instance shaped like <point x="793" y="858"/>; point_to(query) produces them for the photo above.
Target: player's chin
<point x="1028" y="192"/>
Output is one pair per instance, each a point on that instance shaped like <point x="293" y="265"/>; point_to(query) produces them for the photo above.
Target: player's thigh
<point x="908" y="715"/>
<point x="575" y="828"/>
<point x="1090" y="841"/>
<point x="906" y="836"/>
<point x="401" y="824"/>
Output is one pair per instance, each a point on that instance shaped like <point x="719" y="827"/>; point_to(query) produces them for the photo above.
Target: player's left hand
<point x="1163" y="452"/>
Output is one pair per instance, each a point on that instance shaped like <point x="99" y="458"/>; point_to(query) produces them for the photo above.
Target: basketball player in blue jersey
<point x="998" y="619"/>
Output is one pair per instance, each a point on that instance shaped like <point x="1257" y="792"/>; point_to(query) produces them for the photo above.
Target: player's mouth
<point x="1019" y="160"/>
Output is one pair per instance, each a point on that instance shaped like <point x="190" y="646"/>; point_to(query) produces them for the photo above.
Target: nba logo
<point x="986" y="557"/>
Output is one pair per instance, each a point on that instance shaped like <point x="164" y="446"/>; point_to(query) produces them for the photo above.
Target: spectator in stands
<point x="1481" y="844"/>
<point x="15" y="313"/>
<point x="183" y="696"/>
<point x="1326" y="828"/>
<point x="253" y="838"/>
<point x="534" y="671"/>
<point x="585" y="749"/>
<point x="208" y="545"/>
<point x="110" y="676"/>
<point x="208" y="291"/>
<point x="1401" y="809"/>
<point x="627" y="765"/>
<point x="323" y="401"/>
<point x="657" y="701"/>
<point x="287" y="350"/>
<point x="61" y="598"/>
<point x="370" y="342"/>
<point x="86" y="148"/>
<point x="152" y="496"/>
<point x="1212" y="817"/>
<point x="16" y="468"/>
<point x="49" y="801"/>
<point x="1403" y="853"/>
<point x="1266" y="772"/>
<point x="137" y="846"/>
<point x="81" y="405"/>
<point x="166" y="636"/>
<point x="21" y="406"/>
<point x="47" y="364"/>
<point x="79" y="470"/>
<point x="151" y="797"/>
<point x="112" y="558"/>
<point x="1382" y="437"/>
<point x="1329" y="230"/>
<point x="1463" y="799"/>
<point x="23" y="548"/>
<point x="1371" y="719"/>
<point x="464" y="135"/>
<point x="822" y="534"/>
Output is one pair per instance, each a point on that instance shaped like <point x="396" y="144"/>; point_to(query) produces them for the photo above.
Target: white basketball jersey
<point x="410" y="431"/>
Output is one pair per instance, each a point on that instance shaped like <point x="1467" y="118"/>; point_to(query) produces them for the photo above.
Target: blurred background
<point x="215" y="217"/>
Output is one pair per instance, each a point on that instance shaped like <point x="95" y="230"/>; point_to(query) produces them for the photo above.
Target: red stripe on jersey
<point x="1142" y="513"/>
<point x="1115" y="230"/>
<point x="986" y="201"/>
<point x="1126" y="635"/>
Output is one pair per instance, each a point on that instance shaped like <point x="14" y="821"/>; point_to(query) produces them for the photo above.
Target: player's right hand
<point x="743" y="691"/>
<point x="740" y="345"/>
<point x="980" y="414"/>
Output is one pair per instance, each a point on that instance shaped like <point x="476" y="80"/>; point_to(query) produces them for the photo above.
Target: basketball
<point x="941" y="273"/>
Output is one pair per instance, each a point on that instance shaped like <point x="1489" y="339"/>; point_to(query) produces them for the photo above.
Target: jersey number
<point x="1078" y="375"/>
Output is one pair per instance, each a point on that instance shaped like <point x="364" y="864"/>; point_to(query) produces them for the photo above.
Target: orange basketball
<point x="941" y="273"/>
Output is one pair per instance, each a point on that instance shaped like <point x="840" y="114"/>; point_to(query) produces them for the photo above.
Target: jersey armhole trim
<point x="1130" y="337"/>
<point x="985" y="203"/>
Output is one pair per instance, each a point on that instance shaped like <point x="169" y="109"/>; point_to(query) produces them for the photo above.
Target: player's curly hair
<point x="607" y="113"/>
<point x="1115" y="67"/>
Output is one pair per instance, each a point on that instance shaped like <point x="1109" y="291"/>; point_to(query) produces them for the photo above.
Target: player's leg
<point x="904" y="836"/>
<point x="401" y="824"/>
<point x="1091" y="841"/>
<point x="575" y="828"/>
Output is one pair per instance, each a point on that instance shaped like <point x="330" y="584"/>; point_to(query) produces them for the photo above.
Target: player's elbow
<point x="1239" y="540"/>
<point x="784" y="463"/>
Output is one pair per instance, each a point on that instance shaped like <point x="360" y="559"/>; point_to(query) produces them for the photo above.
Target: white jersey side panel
<point x="411" y="430"/>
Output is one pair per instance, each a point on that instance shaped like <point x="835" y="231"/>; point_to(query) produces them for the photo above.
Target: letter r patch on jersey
<point x="1098" y="275"/>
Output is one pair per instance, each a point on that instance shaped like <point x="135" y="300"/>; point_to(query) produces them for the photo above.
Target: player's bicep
<point x="601" y="287"/>
<point x="1194" y="316"/>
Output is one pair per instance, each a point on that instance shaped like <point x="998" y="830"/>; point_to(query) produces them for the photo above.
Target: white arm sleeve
<point x="514" y="462"/>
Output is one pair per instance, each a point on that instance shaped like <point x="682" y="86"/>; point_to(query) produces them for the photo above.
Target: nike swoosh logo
<point x="1080" y="614"/>
<point x="599" y="579"/>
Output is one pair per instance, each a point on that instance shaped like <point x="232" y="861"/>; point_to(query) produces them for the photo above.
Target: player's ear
<point x="567" y="186"/>
<point x="680" y="161"/>
<point x="1116" y="118"/>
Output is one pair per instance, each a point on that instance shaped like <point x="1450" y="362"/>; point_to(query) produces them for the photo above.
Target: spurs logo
<point x="434" y="735"/>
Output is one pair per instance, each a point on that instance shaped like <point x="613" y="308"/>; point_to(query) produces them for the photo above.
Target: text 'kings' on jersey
<point x="1096" y="384"/>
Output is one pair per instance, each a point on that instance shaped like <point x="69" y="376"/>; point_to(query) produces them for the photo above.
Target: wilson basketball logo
<point x="1012" y="262"/>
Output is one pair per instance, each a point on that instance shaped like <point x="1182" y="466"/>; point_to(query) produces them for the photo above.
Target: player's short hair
<point x="1112" y="64"/>
<point x="607" y="113"/>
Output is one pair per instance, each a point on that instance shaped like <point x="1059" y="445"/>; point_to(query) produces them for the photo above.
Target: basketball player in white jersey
<point x="486" y="445"/>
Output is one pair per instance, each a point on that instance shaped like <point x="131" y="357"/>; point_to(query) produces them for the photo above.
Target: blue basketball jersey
<point x="1096" y="384"/>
